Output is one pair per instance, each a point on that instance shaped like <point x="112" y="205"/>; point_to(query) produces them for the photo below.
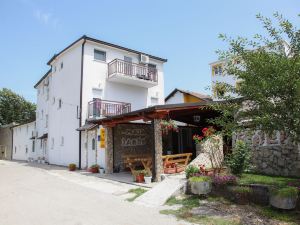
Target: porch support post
<point x="109" y="150"/>
<point x="157" y="154"/>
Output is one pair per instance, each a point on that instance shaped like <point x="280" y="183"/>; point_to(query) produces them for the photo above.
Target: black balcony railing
<point x="129" y="69"/>
<point x="103" y="108"/>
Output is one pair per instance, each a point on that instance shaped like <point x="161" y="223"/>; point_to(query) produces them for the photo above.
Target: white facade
<point x="23" y="145"/>
<point x="58" y="99"/>
<point x="176" y="98"/>
<point x="219" y="76"/>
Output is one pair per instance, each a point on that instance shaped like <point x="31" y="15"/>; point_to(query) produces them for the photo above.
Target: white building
<point x="23" y="142"/>
<point x="91" y="79"/>
<point x="218" y="78"/>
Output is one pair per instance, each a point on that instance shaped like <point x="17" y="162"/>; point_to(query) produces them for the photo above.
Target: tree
<point x="268" y="71"/>
<point x="14" y="108"/>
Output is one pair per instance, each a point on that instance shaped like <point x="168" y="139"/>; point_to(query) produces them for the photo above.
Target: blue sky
<point x="183" y="31"/>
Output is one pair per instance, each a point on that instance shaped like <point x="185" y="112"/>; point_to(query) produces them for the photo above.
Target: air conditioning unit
<point x="144" y="59"/>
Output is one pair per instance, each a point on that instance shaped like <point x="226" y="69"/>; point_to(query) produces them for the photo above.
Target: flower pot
<point x="101" y="170"/>
<point x="281" y="202"/>
<point x="170" y="170"/>
<point x="148" y="179"/>
<point x="94" y="170"/>
<point x="139" y="178"/>
<point x="71" y="168"/>
<point x="201" y="188"/>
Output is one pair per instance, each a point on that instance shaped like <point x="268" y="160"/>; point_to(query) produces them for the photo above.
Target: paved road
<point x="35" y="196"/>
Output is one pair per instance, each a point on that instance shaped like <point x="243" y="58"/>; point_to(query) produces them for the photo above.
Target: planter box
<point x="148" y="180"/>
<point x="201" y="188"/>
<point x="283" y="202"/>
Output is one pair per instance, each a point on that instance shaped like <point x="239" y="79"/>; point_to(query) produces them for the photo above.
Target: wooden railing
<point x="144" y="72"/>
<point x="98" y="108"/>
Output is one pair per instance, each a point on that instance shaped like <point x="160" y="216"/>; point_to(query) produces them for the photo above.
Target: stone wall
<point x="131" y="139"/>
<point x="272" y="154"/>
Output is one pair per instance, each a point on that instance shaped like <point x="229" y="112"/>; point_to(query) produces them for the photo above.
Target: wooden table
<point x="131" y="161"/>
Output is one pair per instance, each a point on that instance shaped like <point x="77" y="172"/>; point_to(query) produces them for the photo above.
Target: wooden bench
<point x="180" y="160"/>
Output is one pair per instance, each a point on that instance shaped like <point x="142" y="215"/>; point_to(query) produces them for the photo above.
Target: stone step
<point x="159" y="194"/>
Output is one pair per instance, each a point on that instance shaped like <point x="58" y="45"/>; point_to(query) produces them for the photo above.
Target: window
<point x="54" y="69"/>
<point x="26" y="149"/>
<point x="62" y="141"/>
<point x="26" y="129"/>
<point x="59" y="103"/>
<point x="61" y="65"/>
<point x="52" y="143"/>
<point x="53" y="100"/>
<point x="47" y="93"/>
<point x="39" y="91"/>
<point x="42" y="114"/>
<point x="33" y="146"/>
<point x="47" y="117"/>
<point x="15" y="149"/>
<point x="93" y="144"/>
<point x="99" y="55"/>
<point x="127" y="59"/>
<point x="41" y="145"/>
<point x="217" y="70"/>
<point x="154" y="101"/>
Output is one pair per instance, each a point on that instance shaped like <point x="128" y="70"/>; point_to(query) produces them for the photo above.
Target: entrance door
<point x="185" y="140"/>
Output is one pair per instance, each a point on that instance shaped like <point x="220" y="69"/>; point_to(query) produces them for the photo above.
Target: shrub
<point x="238" y="160"/>
<point x="200" y="179"/>
<point x="242" y="190"/>
<point x="288" y="192"/>
<point x="72" y="166"/>
<point x="191" y="170"/>
<point x="221" y="180"/>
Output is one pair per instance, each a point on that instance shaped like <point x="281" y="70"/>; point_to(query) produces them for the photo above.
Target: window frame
<point x="99" y="51"/>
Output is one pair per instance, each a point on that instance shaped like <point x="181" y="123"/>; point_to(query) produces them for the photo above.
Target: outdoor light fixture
<point x="197" y="118"/>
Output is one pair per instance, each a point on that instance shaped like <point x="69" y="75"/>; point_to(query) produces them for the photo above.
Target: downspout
<point x="80" y="104"/>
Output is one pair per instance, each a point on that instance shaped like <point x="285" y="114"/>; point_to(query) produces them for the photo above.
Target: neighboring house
<point x="6" y="141"/>
<point x="91" y="79"/>
<point x="218" y="78"/>
<point x="183" y="96"/>
<point x="23" y="141"/>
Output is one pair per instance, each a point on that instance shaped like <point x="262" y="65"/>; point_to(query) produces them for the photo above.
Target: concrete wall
<point x="22" y="144"/>
<point x="5" y="142"/>
<point x="272" y="155"/>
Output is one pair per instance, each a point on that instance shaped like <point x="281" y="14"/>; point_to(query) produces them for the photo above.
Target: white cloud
<point x="46" y="18"/>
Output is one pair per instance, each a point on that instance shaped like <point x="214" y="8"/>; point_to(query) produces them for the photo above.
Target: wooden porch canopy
<point x="191" y="113"/>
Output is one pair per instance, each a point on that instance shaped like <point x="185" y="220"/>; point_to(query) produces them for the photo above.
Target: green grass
<point x="137" y="191"/>
<point x="266" y="180"/>
<point x="191" y="202"/>
<point x="292" y="217"/>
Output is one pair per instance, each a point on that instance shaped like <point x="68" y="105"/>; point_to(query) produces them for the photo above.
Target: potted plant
<point x="241" y="194"/>
<point x="94" y="168"/>
<point x="191" y="170"/>
<point x="170" y="168"/>
<point x="101" y="170"/>
<point x="200" y="185"/>
<point x="284" y="198"/>
<point x="168" y="125"/>
<point x="147" y="177"/>
<point x="139" y="176"/>
<point x="72" y="167"/>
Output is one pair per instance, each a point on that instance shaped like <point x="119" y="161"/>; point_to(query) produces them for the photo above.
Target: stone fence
<point x="272" y="154"/>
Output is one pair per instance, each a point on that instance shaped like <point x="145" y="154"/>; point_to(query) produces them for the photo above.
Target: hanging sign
<point x="102" y="138"/>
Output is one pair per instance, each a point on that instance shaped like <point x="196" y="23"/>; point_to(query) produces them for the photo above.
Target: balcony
<point x="102" y="108"/>
<point x="132" y="73"/>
